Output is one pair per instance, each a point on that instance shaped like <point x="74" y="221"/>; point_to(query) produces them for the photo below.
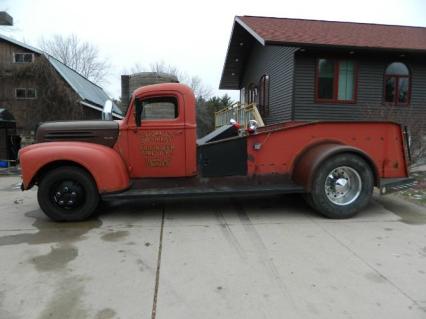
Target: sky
<point x="191" y="35"/>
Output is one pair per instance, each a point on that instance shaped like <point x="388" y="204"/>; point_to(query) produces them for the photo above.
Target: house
<point x="296" y="69"/>
<point x="36" y="87"/>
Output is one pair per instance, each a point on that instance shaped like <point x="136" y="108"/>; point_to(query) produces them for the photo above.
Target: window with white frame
<point x="25" y="93"/>
<point x="23" y="58"/>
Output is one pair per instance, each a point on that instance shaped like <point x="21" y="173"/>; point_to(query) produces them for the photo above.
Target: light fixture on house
<point x="241" y="44"/>
<point x="302" y="50"/>
<point x="233" y="74"/>
<point x="237" y="60"/>
<point x="351" y="52"/>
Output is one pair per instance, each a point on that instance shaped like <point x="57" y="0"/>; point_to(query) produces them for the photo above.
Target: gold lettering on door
<point x="157" y="148"/>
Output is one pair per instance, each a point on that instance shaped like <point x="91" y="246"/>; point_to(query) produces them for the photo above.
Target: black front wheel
<point x="341" y="186"/>
<point x="68" y="194"/>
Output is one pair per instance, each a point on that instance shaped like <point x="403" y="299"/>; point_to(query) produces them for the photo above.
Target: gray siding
<point x="369" y="104"/>
<point x="278" y="63"/>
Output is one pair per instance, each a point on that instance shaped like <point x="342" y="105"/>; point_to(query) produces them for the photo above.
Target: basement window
<point x="335" y="81"/>
<point x="25" y="94"/>
<point x="23" y="58"/>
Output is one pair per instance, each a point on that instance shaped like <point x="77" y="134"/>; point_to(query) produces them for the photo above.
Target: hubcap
<point x="343" y="185"/>
<point x="68" y="194"/>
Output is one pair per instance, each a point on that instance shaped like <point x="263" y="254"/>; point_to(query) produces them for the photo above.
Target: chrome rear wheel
<point x="343" y="185"/>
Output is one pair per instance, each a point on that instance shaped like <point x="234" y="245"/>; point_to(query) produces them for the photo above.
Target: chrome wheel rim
<point x="343" y="185"/>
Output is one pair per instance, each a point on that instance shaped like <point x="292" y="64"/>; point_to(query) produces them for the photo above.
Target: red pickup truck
<point x="153" y="153"/>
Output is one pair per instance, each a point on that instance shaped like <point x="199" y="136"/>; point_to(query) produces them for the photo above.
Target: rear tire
<point x="341" y="186"/>
<point x="68" y="194"/>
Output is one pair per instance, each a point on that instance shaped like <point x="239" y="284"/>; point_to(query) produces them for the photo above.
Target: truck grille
<point x="53" y="136"/>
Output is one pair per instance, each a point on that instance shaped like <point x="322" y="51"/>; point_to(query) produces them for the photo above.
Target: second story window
<point x="335" y="81"/>
<point x="23" y="58"/>
<point x="397" y="84"/>
<point x="24" y="94"/>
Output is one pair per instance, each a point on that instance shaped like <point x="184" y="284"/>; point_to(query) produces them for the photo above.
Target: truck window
<point x="160" y="108"/>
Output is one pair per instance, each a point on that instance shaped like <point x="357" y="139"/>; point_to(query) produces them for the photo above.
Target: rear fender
<point x="310" y="159"/>
<point x="103" y="163"/>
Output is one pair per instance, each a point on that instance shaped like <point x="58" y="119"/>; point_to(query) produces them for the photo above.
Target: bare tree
<point x="200" y="89"/>
<point x="77" y="54"/>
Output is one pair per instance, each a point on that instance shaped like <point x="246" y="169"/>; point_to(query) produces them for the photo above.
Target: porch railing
<point x="242" y="113"/>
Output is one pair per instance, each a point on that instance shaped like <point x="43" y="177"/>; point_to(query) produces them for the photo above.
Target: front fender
<point x="103" y="163"/>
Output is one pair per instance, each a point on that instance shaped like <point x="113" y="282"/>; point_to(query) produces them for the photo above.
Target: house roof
<point x="248" y="30"/>
<point x="88" y="91"/>
<point x="91" y="95"/>
<point x="20" y="44"/>
<point x="320" y="32"/>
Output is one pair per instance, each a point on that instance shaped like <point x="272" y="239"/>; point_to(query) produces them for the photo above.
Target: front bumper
<point x="391" y="185"/>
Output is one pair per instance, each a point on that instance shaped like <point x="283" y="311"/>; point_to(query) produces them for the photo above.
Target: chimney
<point x="5" y="18"/>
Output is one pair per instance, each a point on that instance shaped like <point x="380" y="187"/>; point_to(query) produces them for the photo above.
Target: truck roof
<point x="184" y="89"/>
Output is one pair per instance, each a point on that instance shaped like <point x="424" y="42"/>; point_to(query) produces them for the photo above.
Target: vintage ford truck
<point x="153" y="153"/>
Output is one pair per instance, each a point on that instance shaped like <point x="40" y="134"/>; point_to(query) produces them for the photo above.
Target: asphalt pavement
<point x="266" y="257"/>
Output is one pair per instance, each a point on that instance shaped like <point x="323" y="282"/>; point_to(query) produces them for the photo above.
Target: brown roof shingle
<point x="351" y="34"/>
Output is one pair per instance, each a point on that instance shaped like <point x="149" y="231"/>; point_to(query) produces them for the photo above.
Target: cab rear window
<point x="160" y="108"/>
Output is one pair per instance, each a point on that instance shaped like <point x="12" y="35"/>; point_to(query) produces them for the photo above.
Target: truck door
<point x="157" y="147"/>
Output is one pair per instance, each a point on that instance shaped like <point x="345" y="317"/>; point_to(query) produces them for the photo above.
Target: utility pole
<point x="5" y="18"/>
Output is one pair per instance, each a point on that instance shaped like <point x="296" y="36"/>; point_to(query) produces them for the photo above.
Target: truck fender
<point x="104" y="164"/>
<point x="310" y="159"/>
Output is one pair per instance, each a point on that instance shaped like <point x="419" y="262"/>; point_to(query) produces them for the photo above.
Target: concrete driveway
<point x="233" y="258"/>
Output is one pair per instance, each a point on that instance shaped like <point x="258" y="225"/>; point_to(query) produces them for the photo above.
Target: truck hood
<point x="98" y="132"/>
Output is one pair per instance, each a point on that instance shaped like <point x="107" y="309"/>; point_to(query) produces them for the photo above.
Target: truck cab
<point x="158" y="135"/>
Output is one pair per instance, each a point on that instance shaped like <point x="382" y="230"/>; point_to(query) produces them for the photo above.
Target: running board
<point x="202" y="191"/>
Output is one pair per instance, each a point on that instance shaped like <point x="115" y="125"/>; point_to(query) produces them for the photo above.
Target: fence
<point x="242" y="113"/>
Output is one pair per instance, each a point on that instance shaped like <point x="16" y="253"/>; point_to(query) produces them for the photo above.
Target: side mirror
<point x="138" y="112"/>
<point x="107" y="111"/>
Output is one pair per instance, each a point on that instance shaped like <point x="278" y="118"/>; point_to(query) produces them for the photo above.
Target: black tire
<point x="78" y="198"/>
<point x="325" y="186"/>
